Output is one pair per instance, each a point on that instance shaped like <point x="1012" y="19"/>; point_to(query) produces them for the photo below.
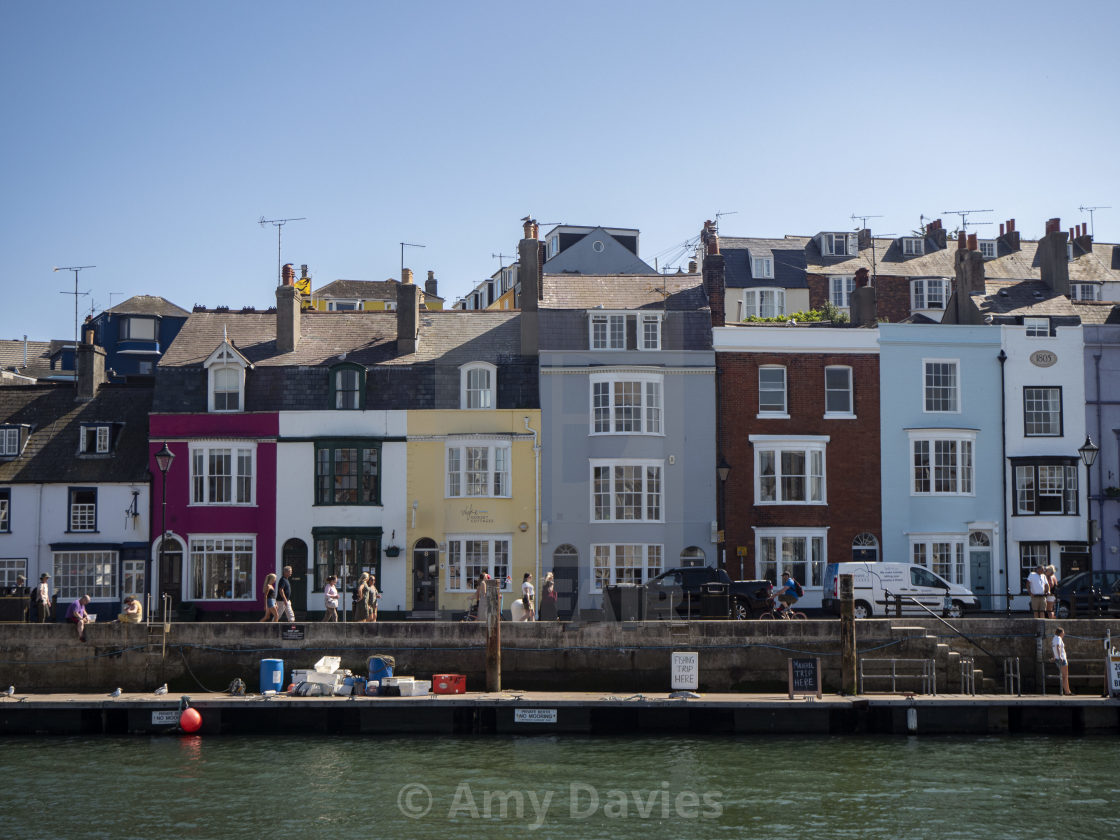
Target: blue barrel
<point x="272" y="675"/>
<point x="379" y="668"/>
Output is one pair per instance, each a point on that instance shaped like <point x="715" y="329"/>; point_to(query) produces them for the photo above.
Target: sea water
<point x="295" y="785"/>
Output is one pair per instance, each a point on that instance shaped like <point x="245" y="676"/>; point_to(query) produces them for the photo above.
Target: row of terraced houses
<point x="583" y="414"/>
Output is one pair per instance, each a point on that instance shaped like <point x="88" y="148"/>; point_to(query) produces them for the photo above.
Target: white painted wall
<point x="296" y="513"/>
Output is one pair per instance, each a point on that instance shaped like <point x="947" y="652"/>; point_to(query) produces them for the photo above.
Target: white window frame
<point x="201" y="547"/>
<point x="465" y="473"/>
<point x="763" y="303"/>
<point x="242" y="485"/>
<point x="132" y="577"/>
<point x="84" y="572"/>
<point x="10" y="570"/>
<point x="1034" y="480"/>
<point x="6" y="511"/>
<point x="921" y="297"/>
<point x="913" y="246"/>
<point x="929" y="552"/>
<point x="472" y="396"/>
<point x="649" y="489"/>
<point x="1054" y="418"/>
<point x="840" y="288"/>
<point x="224" y="358"/>
<point x="608" y="414"/>
<point x="989" y="248"/>
<point x="773" y="413"/>
<point x="1085" y="291"/>
<point x="850" y="413"/>
<point x="340" y="305"/>
<point x="770" y="550"/>
<point x="649" y="332"/>
<point x="956" y="444"/>
<point x="614" y="563"/>
<point x="553" y="246"/>
<point x="81" y="517"/>
<point x="769" y="450"/>
<point x="612" y="326"/>
<point x="955" y="392"/>
<point x="762" y="268"/>
<point x="498" y="562"/>
<point x="1036" y="327"/>
<point x="9" y="441"/>
<point x="130" y="321"/>
<point x="100" y="435"/>
<point x="839" y="244"/>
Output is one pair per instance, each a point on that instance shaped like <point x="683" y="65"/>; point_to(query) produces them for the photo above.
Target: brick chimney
<point x="714" y="275"/>
<point x="90" y="372"/>
<point x="1083" y="240"/>
<point x="530" y="252"/>
<point x="288" y="305"/>
<point x="408" y="314"/>
<point x="936" y="235"/>
<point x="969" y="268"/>
<point x="1053" y="260"/>
<point x="1008" y="236"/>
<point x="431" y="284"/>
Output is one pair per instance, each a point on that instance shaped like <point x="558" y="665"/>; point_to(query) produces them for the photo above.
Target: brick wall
<point x="851" y="456"/>
<point x="892" y="295"/>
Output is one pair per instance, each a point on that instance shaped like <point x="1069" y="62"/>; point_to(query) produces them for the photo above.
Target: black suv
<point x="1093" y="593"/>
<point x="679" y="593"/>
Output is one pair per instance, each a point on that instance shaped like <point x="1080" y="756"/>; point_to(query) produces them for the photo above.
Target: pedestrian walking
<point x="372" y="597"/>
<point x="270" y="610"/>
<point x="528" y="595"/>
<point x="1036" y="584"/>
<point x="549" y="599"/>
<point x="284" y="595"/>
<point x="1058" y="650"/>
<point x="41" y="598"/>
<point x="483" y="603"/>
<point x="361" y="598"/>
<point x="330" y="599"/>
<point x="1051" y="576"/>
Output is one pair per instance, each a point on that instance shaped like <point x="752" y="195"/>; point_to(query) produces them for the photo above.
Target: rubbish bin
<point x="625" y="602"/>
<point x="715" y="600"/>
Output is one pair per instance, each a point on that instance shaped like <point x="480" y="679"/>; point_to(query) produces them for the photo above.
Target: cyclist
<point x="789" y="594"/>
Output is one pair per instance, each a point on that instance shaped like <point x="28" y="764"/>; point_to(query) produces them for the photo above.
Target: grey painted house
<point x="627" y="388"/>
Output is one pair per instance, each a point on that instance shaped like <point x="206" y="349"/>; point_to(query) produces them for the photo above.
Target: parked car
<point x="1103" y="586"/>
<point x="878" y="585"/>
<point x="679" y="593"/>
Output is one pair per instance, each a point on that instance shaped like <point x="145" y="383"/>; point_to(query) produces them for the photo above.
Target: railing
<point x="972" y="642"/>
<point x="927" y="676"/>
<point x="968" y="675"/>
<point x="1012" y="680"/>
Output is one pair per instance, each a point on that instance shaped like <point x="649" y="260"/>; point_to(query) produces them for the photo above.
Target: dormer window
<point x="94" y="440"/>
<point x="343" y="305"/>
<point x="348" y="387"/>
<point x="476" y="390"/>
<point x="553" y="246"/>
<point x="608" y="331"/>
<point x="988" y="249"/>
<point x="762" y="303"/>
<point x="1037" y="327"/>
<point x="138" y="329"/>
<point x="839" y="244"/>
<point x="1084" y="291"/>
<point x="226" y="372"/>
<point x="762" y="268"/>
<point x="913" y="246"/>
<point x="1069" y="252"/>
<point x="9" y="441"/>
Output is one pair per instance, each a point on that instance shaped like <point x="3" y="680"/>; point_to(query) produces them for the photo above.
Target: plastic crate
<point x="449" y="684"/>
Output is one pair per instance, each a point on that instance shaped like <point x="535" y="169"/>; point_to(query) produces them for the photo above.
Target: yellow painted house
<point x="372" y="295"/>
<point x="474" y="497"/>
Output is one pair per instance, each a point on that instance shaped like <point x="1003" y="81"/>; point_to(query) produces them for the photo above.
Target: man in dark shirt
<point x="284" y="595"/>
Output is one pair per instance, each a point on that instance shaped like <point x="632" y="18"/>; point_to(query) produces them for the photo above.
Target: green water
<point x="572" y="787"/>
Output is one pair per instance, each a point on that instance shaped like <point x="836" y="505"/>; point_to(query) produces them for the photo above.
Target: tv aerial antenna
<point x="407" y="245"/>
<point x="76" y="294"/>
<point x="499" y="258"/>
<point x="862" y="219"/>
<point x="964" y="214"/>
<point x="724" y="213"/>
<point x="279" y="225"/>
<point x="1089" y="210"/>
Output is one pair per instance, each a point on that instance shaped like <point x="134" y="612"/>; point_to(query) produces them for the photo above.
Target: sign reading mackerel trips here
<point x="805" y="677"/>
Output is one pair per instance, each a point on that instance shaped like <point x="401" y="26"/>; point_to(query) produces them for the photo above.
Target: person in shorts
<point x="1038" y="588"/>
<point x="788" y="596"/>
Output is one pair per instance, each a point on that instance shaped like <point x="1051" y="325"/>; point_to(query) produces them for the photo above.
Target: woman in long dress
<point x="361" y="603"/>
<point x="372" y="597"/>
<point x="481" y="591"/>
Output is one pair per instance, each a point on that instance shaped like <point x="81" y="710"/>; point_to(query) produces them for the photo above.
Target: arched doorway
<point x="565" y="572"/>
<point x="294" y="554"/>
<point x="425" y="575"/>
<point x="865" y="548"/>
<point x="692" y="556"/>
<point x="169" y="562"/>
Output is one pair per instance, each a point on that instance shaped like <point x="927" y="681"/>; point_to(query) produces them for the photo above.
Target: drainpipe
<point x="537" y="502"/>
<point x="1100" y="484"/>
<point x="1002" y="357"/>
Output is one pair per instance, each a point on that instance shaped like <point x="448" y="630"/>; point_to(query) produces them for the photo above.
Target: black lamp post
<point x="163" y="460"/>
<point x="1088" y="453"/>
<point x="723" y="469"/>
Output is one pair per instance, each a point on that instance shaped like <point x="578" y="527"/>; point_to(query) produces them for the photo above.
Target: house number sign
<point x="1043" y="358"/>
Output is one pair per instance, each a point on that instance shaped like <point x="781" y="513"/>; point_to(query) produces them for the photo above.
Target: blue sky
<point x="148" y="138"/>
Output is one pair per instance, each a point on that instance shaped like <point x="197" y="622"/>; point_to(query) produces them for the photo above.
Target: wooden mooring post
<point x="848" y="682"/>
<point x="493" y="636"/>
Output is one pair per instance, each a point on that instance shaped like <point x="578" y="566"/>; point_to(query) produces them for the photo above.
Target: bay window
<point x="1045" y="486"/>
<point x="789" y="470"/>
<point x="221" y="568"/>
<point x="626" y="490"/>
<point x="801" y="552"/>
<point x="942" y="463"/>
<point x="469" y="556"/>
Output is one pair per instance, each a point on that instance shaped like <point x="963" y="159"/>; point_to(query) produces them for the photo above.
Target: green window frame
<point x="355" y="549"/>
<point x="348" y="387"/>
<point x="348" y="472"/>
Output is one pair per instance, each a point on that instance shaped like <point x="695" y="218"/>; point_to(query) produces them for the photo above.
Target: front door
<point x="565" y="573"/>
<point x="294" y="554"/>
<point x="980" y="575"/>
<point x="170" y="576"/>
<point x="425" y="572"/>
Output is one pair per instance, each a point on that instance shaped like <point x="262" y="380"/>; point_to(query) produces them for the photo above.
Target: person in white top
<point x="330" y="599"/>
<point x="527" y="595"/>
<point x="1038" y="587"/>
<point x="1058" y="648"/>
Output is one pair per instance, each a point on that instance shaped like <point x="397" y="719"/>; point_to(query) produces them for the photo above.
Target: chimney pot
<point x="1010" y="225"/>
<point x="961" y="243"/>
<point x="1002" y="225"/>
<point x="1053" y="225"/>
<point x="972" y="246"/>
<point x="406" y="275"/>
<point x="287" y="275"/>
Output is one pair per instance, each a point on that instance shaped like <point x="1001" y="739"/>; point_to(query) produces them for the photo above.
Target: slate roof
<point x="38" y="358"/>
<point x="672" y="292"/>
<point x="50" y="454"/>
<point x="788" y="255"/>
<point x="148" y="305"/>
<point x="364" y="290"/>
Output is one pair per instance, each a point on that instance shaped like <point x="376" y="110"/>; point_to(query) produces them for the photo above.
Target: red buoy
<point x="190" y="720"/>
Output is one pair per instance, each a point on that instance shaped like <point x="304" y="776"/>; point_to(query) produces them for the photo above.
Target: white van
<point x="878" y="584"/>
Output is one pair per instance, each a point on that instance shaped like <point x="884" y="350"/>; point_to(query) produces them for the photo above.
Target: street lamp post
<point x="1088" y="453"/>
<point x="163" y="460"/>
<point x="723" y="469"/>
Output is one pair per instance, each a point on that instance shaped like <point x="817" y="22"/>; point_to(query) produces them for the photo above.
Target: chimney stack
<point x="408" y="314"/>
<point x="430" y="285"/>
<point x="406" y="275"/>
<point x="864" y="311"/>
<point x="1084" y="239"/>
<point x="288" y="306"/>
<point x="1008" y="236"/>
<point x="530" y="253"/>
<point x="1053" y="257"/>
<point x="714" y="275"/>
<point x="935" y="231"/>
<point x="89" y="362"/>
<point x="710" y="237"/>
<point x="692" y="266"/>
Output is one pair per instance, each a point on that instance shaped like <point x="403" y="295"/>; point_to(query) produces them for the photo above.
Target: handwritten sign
<point x="805" y="677"/>
<point x="684" y="670"/>
<point x="1113" y="662"/>
<point x="534" y="716"/>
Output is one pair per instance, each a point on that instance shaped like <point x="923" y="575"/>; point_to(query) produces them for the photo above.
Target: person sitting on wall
<point x="76" y="613"/>
<point x="133" y="611"/>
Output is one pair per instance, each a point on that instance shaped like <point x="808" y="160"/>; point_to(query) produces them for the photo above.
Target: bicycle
<point x="779" y="611"/>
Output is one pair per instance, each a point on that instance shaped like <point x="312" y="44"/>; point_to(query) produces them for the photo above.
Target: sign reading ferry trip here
<point x="805" y="677"/>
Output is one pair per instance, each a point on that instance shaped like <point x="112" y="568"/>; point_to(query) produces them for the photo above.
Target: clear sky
<point x="147" y="138"/>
